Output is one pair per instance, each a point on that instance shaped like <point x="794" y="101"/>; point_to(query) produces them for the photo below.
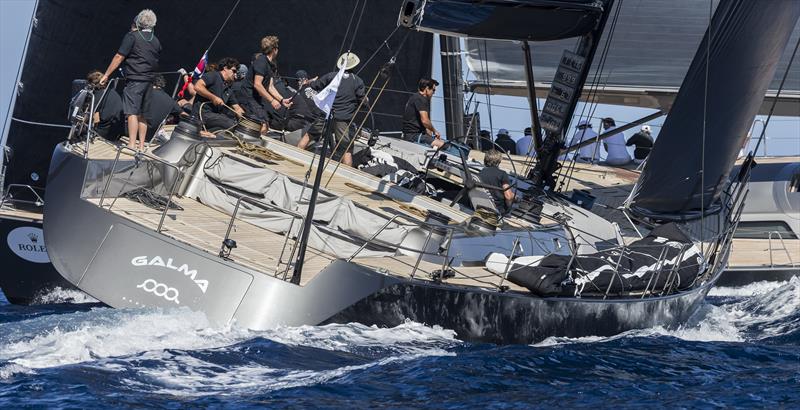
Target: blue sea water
<point x="742" y="349"/>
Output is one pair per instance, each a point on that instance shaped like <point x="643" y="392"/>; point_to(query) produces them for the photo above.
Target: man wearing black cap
<point x="303" y="111"/>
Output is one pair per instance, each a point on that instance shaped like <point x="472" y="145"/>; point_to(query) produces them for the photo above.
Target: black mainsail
<point x="699" y="142"/>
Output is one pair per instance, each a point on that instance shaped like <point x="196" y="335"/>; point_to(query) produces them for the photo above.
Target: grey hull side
<point x="124" y="265"/>
<point x="486" y="316"/>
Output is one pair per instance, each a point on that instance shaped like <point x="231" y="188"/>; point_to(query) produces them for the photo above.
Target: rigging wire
<point x="485" y="60"/>
<point x="592" y="97"/>
<point x="703" y="140"/>
<point x="225" y="23"/>
<point x="347" y="30"/>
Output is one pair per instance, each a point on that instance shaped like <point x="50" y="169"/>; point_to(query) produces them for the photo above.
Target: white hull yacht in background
<point x="235" y="228"/>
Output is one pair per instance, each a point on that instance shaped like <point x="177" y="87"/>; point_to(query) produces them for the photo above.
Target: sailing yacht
<point x="236" y="227"/>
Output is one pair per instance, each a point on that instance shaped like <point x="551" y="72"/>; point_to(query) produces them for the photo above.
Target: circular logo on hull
<point x="28" y="243"/>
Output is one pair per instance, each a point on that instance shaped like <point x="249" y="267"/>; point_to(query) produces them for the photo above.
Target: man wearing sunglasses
<point x="216" y="105"/>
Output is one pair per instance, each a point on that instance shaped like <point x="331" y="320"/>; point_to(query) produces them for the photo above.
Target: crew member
<point x="525" y="144"/>
<point x="643" y="141"/>
<point x="303" y="111"/>
<point x="139" y="52"/>
<point x="349" y="95"/>
<point x="215" y="105"/>
<point x="492" y="175"/>
<point x="259" y="86"/>
<point x="159" y="106"/>
<point x="417" y="126"/>
<point x="615" y="145"/>
<point x="107" y="119"/>
<point x="505" y="142"/>
<point x="583" y="132"/>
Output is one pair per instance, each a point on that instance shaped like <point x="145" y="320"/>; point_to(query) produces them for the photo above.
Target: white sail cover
<point x="649" y="54"/>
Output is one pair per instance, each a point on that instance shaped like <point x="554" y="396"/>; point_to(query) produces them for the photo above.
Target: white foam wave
<point x="103" y="333"/>
<point x="61" y="295"/>
<point x="87" y="336"/>
<point x="771" y="310"/>
<point x="185" y="375"/>
<point x="752" y="289"/>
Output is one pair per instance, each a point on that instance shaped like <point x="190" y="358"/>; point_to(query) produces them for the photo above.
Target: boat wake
<point x="61" y="295"/>
<point x="179" y="354"/>
<point x="764" y="311"/>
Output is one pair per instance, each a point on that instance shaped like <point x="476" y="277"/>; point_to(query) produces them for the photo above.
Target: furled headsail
<point x="503" y="19"/>
<point x="714" y="108"/>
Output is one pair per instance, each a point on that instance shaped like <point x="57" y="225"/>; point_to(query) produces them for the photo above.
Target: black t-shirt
<point x="157" y="107"/>
<point x="261" y="66"/>
<point x="412" y="121"/>
<point x="303" y="106"/>
<point x="495" y="177"/>
<point x="350" y="93"/>
<point x="217" y="86"/>
<point x="643" y="142"/>
<point x="110" y="110"/>
<point x="141" y="50"/>
<point x="507" y="144"/>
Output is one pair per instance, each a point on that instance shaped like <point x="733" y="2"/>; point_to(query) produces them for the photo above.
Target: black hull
<point x="24" y="281"/>
<point x="483" y="316"/>
<point x="746" y="276"/>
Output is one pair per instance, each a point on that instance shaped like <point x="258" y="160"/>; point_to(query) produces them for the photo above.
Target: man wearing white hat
<point x="583" y="132"/>
<point x="348" y="96"/>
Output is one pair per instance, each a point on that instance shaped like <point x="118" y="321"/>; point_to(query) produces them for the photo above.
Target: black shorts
<point x="420" y="138"/>
<point x="133" y="96"/>
<point x="255" y="110"/>
<point x="340" y="131"/>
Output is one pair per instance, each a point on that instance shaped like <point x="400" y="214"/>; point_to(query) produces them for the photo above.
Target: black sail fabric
<point x="708" y="123"/>
<point x="534" y="20"/>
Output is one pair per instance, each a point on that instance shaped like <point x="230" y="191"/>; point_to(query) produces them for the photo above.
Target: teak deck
<point x="204" y="228"/>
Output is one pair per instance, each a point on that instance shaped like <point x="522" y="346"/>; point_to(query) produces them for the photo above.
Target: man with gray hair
<point x="493" y="176"/>
<point x="139" y="52"/>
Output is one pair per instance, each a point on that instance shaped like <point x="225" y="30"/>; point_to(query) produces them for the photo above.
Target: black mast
<point x="542" y="174"/>
<point x="450" y="51"/>
<point x="301" y="254"/>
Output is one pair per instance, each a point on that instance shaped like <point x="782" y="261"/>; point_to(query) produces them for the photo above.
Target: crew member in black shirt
<point x="159" y="106"/>
<point x="214" y="97"/>
<point x="505" y="142"/>
<point x="643" y="141"/>
<point x="493" y="176"/>
<point x="349" y="95"/>
<point x="259" y="85"/>
<point x="139" y="52"/>
<point x="107" y="121"/>
<point x="417" y="126"/>
<point x="303" y="111"/>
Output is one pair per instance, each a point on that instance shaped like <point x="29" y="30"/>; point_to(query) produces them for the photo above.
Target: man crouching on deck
<point x="139" y="51"/>
<point x="215" y="104"/>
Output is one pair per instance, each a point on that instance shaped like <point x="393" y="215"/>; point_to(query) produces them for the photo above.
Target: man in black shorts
<point x="493" y="176"/>
<point x="304" y="111"/>
<point x="139" y="52"/>
<point x="417" y="126"/>
<point x="349" y="95"/>
<point x="259" y="85"/>
<point x="214" y="93"/>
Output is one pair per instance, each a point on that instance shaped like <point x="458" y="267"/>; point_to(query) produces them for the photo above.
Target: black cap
<point x="301" y="74"/>
<point x="528" y="131"/>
